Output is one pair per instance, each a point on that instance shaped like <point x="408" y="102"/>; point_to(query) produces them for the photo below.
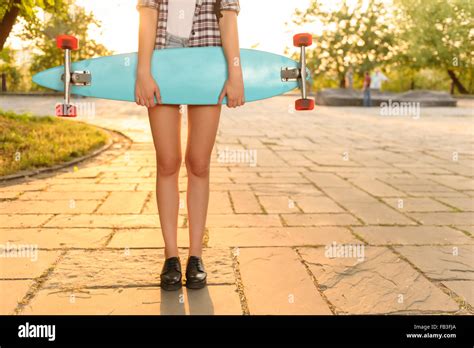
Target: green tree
<point x="75" y="21"/>
<point x="439" y="34"/>
<point x="12" y="10"/>
<point x="10" y="75"/>
<point x="359" y="34"/>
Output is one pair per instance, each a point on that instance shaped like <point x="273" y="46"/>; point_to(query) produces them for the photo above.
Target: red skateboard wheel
<point x="303" y="39"/>
<point x="66" y="110"/>
<point x="67" y="42"/>
<point x="304" y="104"/>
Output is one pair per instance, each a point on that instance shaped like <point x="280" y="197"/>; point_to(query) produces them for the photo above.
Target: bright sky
<point x="261" y="22"/>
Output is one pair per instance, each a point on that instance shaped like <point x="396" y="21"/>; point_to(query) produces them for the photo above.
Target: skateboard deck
<point x="193" y="76"/>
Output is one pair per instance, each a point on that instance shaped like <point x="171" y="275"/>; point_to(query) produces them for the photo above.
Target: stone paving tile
<point x="268" y="158"/>
<point x="245" y="202"/>
<point x="273" y="171"/>
<point x="397" y="159"/>
<point x="130" y="180"/>
<point x="298" y="158"/>
<point x="294" y="159"/>
<point x="298" y="143"/>
<point x="151" y="206"/>
<point x="349" y="195"/>
<point x="243" y="220"/>
<point x="376" y="213"/>
<point x="464" y="289"/>
<point x="251" y="142"/>
<point x="118" y="168"/>
<point x="367" y="159"/>
<point x="25" y="261"/>
<point x="92" y="187"/>
<point x="20" y="187"/>
<point x="425" y="189"/>
<point x="320" y="219"/>
<point x="454" y="181"/>
<point x="278" y="236"/>
<point x="325" y="159"/>
<point x="459" y="170"/>
<point x="145" y="238"/>
<point x="327" y="180"/>
<point x="117" y="175"/>
<point x="219" y="203"/>
<point x="48" y="238"/>
<point x="288" y="189"/>
<point x="148" y="170"/>
<point x="80" y="173"/>
<point x="437" y="194"/>
<point x="109" y="221"/>
<point x="409" y="204"/>
<point x="246" y="176"/>
<point x="442" y="262"/>
<point x="10" y="195"/>
<point x="409" y="179"/>
<point x="367" y="287"/>
<point x="129" y="267"/>
<point x="259" y="180"/>
<point x="123" y="203"/>
<point x="77" y="181"/>
<point x="18" y="221"/>
<point x="428" y="235"/>
<point x="269" y="290"/>
<point x="214" y="299"/>
<point x="357" y="171"/>
<point x="70" y="206"/>
<point x="215" y="187"/>
<point x="290" y="174"/>
<point x="468" y="229"/>
<point x="55" y="195"/>
<point x="11" y="293"/>
<point x="152" y="187"/>
<point x="444" y="218"/>
<point x="377" y="188"/>
<point x="461" y="203"/>
<point x="316" y="204"/>
<point x="278" y="204"/>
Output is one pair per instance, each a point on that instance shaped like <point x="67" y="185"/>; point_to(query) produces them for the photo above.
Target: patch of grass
<point x="32" y="142"/>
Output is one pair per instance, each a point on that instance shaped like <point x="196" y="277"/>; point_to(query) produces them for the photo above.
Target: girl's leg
<point x="203" y="121"/>
<point x="165" y="122"/>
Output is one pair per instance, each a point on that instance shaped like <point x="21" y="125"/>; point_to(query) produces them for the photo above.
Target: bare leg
<point x="165" y="122"/>
<point x="203" y="122"/>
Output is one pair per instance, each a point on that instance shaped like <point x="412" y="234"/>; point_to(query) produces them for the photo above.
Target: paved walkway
<point x="340" y="211"/>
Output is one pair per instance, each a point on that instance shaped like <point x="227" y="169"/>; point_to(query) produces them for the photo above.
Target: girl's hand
<point x="234" y="90"/>
<point x="146" y="89"/>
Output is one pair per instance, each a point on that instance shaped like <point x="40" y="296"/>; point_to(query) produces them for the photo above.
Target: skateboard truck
<point x="299" y="74"/>
<point x="70" y="43"/>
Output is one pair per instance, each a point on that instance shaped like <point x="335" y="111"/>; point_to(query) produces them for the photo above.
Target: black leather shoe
<point x="195" y="273"/>
<point x="171" y="274"/>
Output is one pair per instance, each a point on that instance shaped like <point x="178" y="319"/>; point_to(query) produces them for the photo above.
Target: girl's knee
<point x="198" y="167"/>
<point x="168" y="166"/>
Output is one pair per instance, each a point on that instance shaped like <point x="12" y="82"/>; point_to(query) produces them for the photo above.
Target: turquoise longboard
<point x="191" y="76"/>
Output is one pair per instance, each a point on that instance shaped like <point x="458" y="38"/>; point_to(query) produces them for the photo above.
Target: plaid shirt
<point x="205" y="30"/>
